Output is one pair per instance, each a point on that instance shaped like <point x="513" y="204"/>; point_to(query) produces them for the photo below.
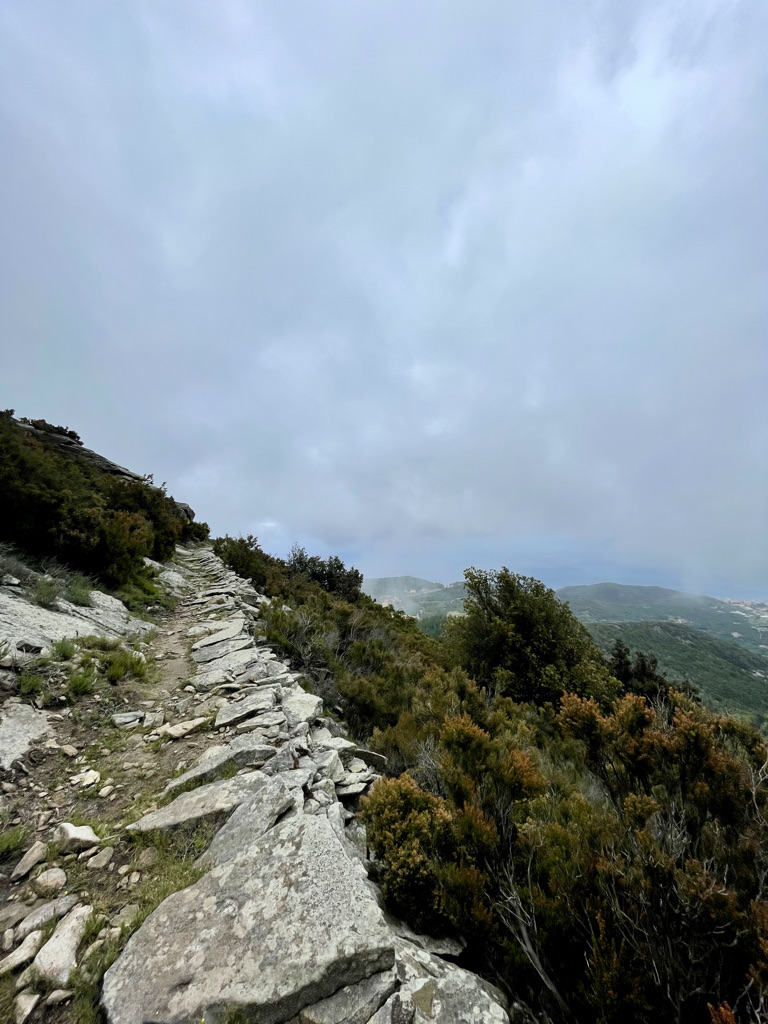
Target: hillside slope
<point x="731" y="678"/>
<point x="743" y="622"/>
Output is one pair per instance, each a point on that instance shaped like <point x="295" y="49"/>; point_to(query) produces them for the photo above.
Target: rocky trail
<point x="183" y="847"/>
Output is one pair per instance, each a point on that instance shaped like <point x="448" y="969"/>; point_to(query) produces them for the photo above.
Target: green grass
<point x="47" y="591"/>
<point x="80" y="684"/>
<point x="30" y="685"/>
<point x="64" y="650"/>
<point x="120" y="664"/>
<point x="79" y="590"/>
<point x="12" y="840"/>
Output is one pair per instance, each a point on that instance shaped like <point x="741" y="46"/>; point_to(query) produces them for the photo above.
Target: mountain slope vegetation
<point x="597" y="835"/>
<point x="97" y="522"/>
<point x="615" y="602"/>
<point x="599" y="839"/>
<point x="730" y="678"/>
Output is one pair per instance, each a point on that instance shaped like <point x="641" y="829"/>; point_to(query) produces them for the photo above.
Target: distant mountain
<point x="415" y="596"/>
<point x="742" y="622"/>
<point x="731" y="677"/>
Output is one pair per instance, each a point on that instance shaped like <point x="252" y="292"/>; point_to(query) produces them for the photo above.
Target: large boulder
<point x="249" y="822"/>
<point x="281" y="926"/>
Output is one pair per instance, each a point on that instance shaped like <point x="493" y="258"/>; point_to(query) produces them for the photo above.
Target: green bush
<point x="47" y="592"/>
<point x="80" y="684"/>
<point x="12" y="840"/>
<point x="30" y="685"/>
<point x="120" y="664"/>
<point x="79" y="590"/>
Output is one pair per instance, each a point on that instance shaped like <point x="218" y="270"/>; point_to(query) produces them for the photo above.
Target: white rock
<point x="24" y="1005"/>
<point x="22" y="954"/>
<point x="238" y="711"/>
<point x="353" y="1004"/>
<point x="242" y="751"/>
<point x="50" y="881"/>
<point x="210" y="801"/>
<point x="58" y="957"/>
<point x="229" y="631"/>
<point x="75" y="837"/>
<point x="301" y="707"/>
<point x="34" y="855"/>
<point x="20" y="727"/>
<point x="268" y="940"/>
<point x="42" y="915"/>
<point x="175" y="732"/>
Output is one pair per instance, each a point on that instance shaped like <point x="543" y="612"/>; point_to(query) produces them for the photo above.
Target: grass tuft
<point x="64" y="650"/>
<point x="47" y="591"/>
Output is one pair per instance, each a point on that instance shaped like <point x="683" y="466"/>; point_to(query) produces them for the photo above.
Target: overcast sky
<point x="424" y="283"/>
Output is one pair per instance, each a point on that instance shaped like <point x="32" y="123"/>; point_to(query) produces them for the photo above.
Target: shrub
<point x="408" y="829"/>
<point x="79" y="590"/>
<point x="52" y="504"/>
<point x="30" y="685"/>
<point x="12" y="839"/>
<point x="517" y="640"/>
<point x="47" y="592"/>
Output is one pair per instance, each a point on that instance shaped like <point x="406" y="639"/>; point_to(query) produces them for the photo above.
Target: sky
<point x="422" y="283"/>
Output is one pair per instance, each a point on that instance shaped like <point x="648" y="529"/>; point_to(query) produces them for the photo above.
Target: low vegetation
<point x="100" y="525"/>
<point x="597" y="835"/>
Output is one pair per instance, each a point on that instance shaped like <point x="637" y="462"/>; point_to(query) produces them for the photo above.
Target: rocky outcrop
<point x="26" y="627"/>
<point x="282" y="925"/>
<point x="74" y="449"/>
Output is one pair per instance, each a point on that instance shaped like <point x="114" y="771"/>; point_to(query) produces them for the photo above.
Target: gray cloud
<point x="429" y="285"/>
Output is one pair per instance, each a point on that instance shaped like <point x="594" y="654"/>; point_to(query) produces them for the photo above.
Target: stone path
<point x="284" y="924"/>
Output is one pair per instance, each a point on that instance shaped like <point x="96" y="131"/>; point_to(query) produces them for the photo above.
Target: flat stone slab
<point x="57" y="959"/>
<point x="42" y="915"/>
<point x="20" y="728"/>
<point x="107" y="616"/>
<point x="278" y="928"/>
<point x="238" y="711"/>
<point x="205" y="802"/>
<point x="353" y="1004"/>
<point x="229" y="631"/>
<point x="240" y="752"/>
<point x="221" y="650"/>
<point x="237" y="663"/>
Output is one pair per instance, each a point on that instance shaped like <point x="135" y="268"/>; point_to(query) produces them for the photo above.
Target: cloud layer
<point x="426" y="284"/>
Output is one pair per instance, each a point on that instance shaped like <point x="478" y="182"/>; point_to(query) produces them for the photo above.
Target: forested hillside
<point x="730" y="678"/>
<point x="746" y="624"/>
